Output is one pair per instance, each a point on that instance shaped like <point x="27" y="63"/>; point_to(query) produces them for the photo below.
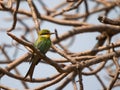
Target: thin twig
<point x="15" y="16"/>
<point x="35" y="13"/>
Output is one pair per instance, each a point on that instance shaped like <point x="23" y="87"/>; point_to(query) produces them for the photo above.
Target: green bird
<point x="42" y="43"/>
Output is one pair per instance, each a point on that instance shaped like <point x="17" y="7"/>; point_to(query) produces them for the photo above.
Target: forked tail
<point x="34" y="62"/>
<point x="30" y="71"/>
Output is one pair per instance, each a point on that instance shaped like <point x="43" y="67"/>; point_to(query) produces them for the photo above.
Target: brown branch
<point x="114" y="79"/>
<point x="16" y="62"/>
<point x="71" y="59"/>
<point x="66" y="81"/>
<point x="36" y="80"/>
<point x="16" y="70"/>
<point x="15" y="16"/>
<point x="69" y="14"/>
<point x="79" y="72"/>
<point x="86" y="10"/>
<point x="35" y="13"/>
<point x="6" y="87"/>
<point x="100" y="59"/>
<point x="93" y="28"/>
<point x="56" y="80"/>
<point x="95" y="10"/>
<point x="50" y="19"/>
<point x="74" y="84"/>
<point x="92" y="72"/>
<point x="71" y="7"/>
<point x="106" y="20"/>
<point x="77" y="58"/>
<point x="99" y="79"/>
<point x="97" y="49"/>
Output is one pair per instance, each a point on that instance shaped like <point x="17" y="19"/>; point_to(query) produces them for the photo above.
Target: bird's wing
<point x="43" y="45"/>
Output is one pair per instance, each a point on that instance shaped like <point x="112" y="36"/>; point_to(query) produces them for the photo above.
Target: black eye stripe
<point x="45" y="33"/>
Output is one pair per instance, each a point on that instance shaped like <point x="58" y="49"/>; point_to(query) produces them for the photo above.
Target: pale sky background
<point x="84" y="41"/>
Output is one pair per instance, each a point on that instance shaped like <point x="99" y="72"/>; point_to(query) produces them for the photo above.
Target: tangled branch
<point x="75" y="17"/>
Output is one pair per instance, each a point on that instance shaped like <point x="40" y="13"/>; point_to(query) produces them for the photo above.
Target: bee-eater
<point x="42" y="43"/>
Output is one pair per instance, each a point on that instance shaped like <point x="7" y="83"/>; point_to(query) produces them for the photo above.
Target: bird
<point x="43" y="43"/>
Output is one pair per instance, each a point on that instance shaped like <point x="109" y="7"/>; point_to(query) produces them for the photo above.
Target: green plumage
<point x="42" y="43"/>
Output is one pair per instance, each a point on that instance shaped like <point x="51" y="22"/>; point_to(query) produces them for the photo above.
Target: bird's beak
<point x="52" y="33"/>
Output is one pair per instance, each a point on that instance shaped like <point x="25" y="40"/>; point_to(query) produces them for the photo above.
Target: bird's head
<point x="45" y="33"/>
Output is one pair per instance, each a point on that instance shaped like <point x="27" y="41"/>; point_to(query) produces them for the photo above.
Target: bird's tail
<point x="30" y="71"/>
<point x="34" y="62"/>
